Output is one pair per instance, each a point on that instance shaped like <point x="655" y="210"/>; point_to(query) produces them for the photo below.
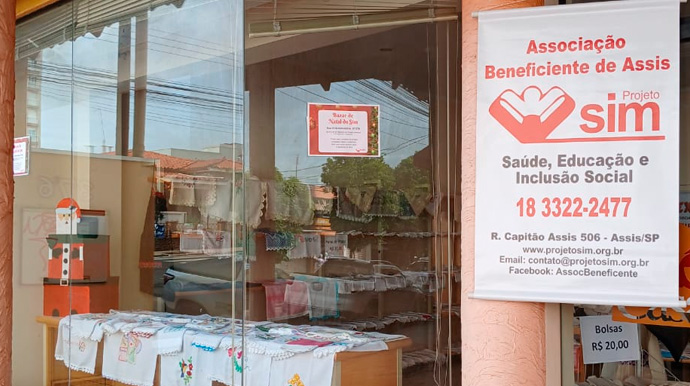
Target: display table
<point x="383" y="368"/>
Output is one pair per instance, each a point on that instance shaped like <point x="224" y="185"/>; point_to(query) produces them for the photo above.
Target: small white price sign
<point x="604" y="340"/>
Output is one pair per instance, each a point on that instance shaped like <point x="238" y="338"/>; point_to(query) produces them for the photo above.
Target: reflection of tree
<point x="408" y="176"/>
<point x="357" y="172"/>
<point x="290" y="187"/>
<point x="278" y="175"/>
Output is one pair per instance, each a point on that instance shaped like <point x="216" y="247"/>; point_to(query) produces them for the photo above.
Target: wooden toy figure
<point x="66" y="260"/>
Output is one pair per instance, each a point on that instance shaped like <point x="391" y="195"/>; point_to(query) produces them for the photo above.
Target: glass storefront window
<point x="275" y="198"/>
<point x="134" y="110"/>
<point x="357" y="214"/>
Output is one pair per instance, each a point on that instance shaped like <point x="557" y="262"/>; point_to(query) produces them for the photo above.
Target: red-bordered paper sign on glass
<point x="20" y="156"/>
<point x="343" y="130"/>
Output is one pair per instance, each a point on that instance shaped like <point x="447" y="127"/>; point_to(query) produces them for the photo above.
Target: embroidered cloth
<point x="195" y="350"/>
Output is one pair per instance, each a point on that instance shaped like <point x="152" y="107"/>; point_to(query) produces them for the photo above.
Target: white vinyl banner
<point x="577" y="154"/>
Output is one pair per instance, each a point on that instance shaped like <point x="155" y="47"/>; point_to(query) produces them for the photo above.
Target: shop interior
<point x="180" y="129"/>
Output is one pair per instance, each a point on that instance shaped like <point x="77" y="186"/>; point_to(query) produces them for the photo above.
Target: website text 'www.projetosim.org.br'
<point x="562" y="256"/>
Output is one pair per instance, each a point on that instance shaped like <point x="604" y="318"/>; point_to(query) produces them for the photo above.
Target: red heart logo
<point x="532" y="115"/>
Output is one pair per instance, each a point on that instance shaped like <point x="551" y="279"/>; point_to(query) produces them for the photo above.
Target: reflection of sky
<point x="195" y="92"/>
<point x="181" y="57"/>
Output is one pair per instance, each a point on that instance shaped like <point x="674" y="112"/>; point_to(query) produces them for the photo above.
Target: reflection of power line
<point x="302" y="169"/>
<point x="372" y="90"/>
<point x="394" y="135"/>
<point x="164" y="105"/>
<point x="97" y="80"/>
<point x="181" y="36"/>
<point x="389" y="150"/>
<point x="350" y="89"/>
<point x="65" y="75"/>
<point x="334" y="101"/>
<point x="98" y="77"/>
<point x="314" y="176"/>
<point x="419" y="141"/>
<point x="194" y="41"/>
<point x="189" y="96"/>
<point x="168" y="120"/>
<point x="175" y="93"/>
<point x="177" y="47"/>
<point x="304" y="101"/>
<point x="222" y="119"/>
<point x="172" y="53"/>
<point x="106" y="102"/>
<point x="186" y="100"/>
<point x="404" y="102"/>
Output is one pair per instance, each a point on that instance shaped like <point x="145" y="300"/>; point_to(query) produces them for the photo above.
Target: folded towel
<point x="130" y="359"/>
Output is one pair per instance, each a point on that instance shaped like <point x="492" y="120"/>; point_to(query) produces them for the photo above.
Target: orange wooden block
<point x="85" y="298"/>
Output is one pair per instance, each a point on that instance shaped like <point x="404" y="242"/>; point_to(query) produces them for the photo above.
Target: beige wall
<point x="121" y="188"/>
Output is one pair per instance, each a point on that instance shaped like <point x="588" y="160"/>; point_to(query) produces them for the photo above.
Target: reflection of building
<point x="172" y="161"/>
<point x="323" y="203"/>
<point x="33" y="102"/>
<point x="229" y="151"/>
<point x="192" y="184"/>
<point x="28" y="90"/>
